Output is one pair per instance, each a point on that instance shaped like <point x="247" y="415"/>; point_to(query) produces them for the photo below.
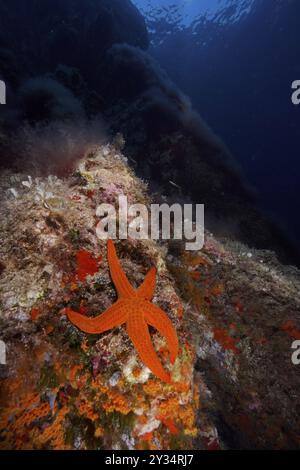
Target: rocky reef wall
<point x="85" y="62"/>
<point x="236" y="312"/>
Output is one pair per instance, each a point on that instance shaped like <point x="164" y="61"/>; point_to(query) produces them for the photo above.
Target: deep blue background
<point x="237" y="59"/>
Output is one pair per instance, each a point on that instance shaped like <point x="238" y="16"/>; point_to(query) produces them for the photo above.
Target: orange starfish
<point x="134" y="308"/>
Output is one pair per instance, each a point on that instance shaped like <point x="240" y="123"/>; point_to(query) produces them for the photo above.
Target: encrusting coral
<point x="135" y="309"/>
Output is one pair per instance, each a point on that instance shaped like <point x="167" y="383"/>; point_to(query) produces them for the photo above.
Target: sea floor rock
<point x="243" y="313"/>
<point x="236" y="313"/>
<point x="61" y="388"/>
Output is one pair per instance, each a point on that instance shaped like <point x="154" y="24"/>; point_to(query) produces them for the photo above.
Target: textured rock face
<point x="236" y="313"/>
<point x="236" y="310"/>
<point x="62" y="388"/>
<point x="244" y="317"/>
<point x="76" y="34"/>
<point x="87" y="58"/>
<point x="168" y="142"/>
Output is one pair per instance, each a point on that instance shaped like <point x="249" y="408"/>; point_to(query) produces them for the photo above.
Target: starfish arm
<point x="146" y="290"/>
<point x="113" y="316"/>
<point x="123" y="286"/>
<point x="155" y="317"/>
<point x="140" y="336"/>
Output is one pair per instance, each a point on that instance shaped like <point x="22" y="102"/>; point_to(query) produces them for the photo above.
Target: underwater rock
<point x="87" y="62"/>
<point x="233" y="384"/>
<point x="243" y="314"/>
<point x="169" y="144"/>
<point x="44" y="99"/>
<point x="62" y="388"/>
<point x="66" y="32"/>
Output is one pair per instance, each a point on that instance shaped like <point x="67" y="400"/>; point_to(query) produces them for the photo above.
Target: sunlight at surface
<point x="185" y="13"/>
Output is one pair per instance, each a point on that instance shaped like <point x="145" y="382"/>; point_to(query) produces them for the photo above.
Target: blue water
<point x="181" y="14"/>
<point x="237" y="59"/>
